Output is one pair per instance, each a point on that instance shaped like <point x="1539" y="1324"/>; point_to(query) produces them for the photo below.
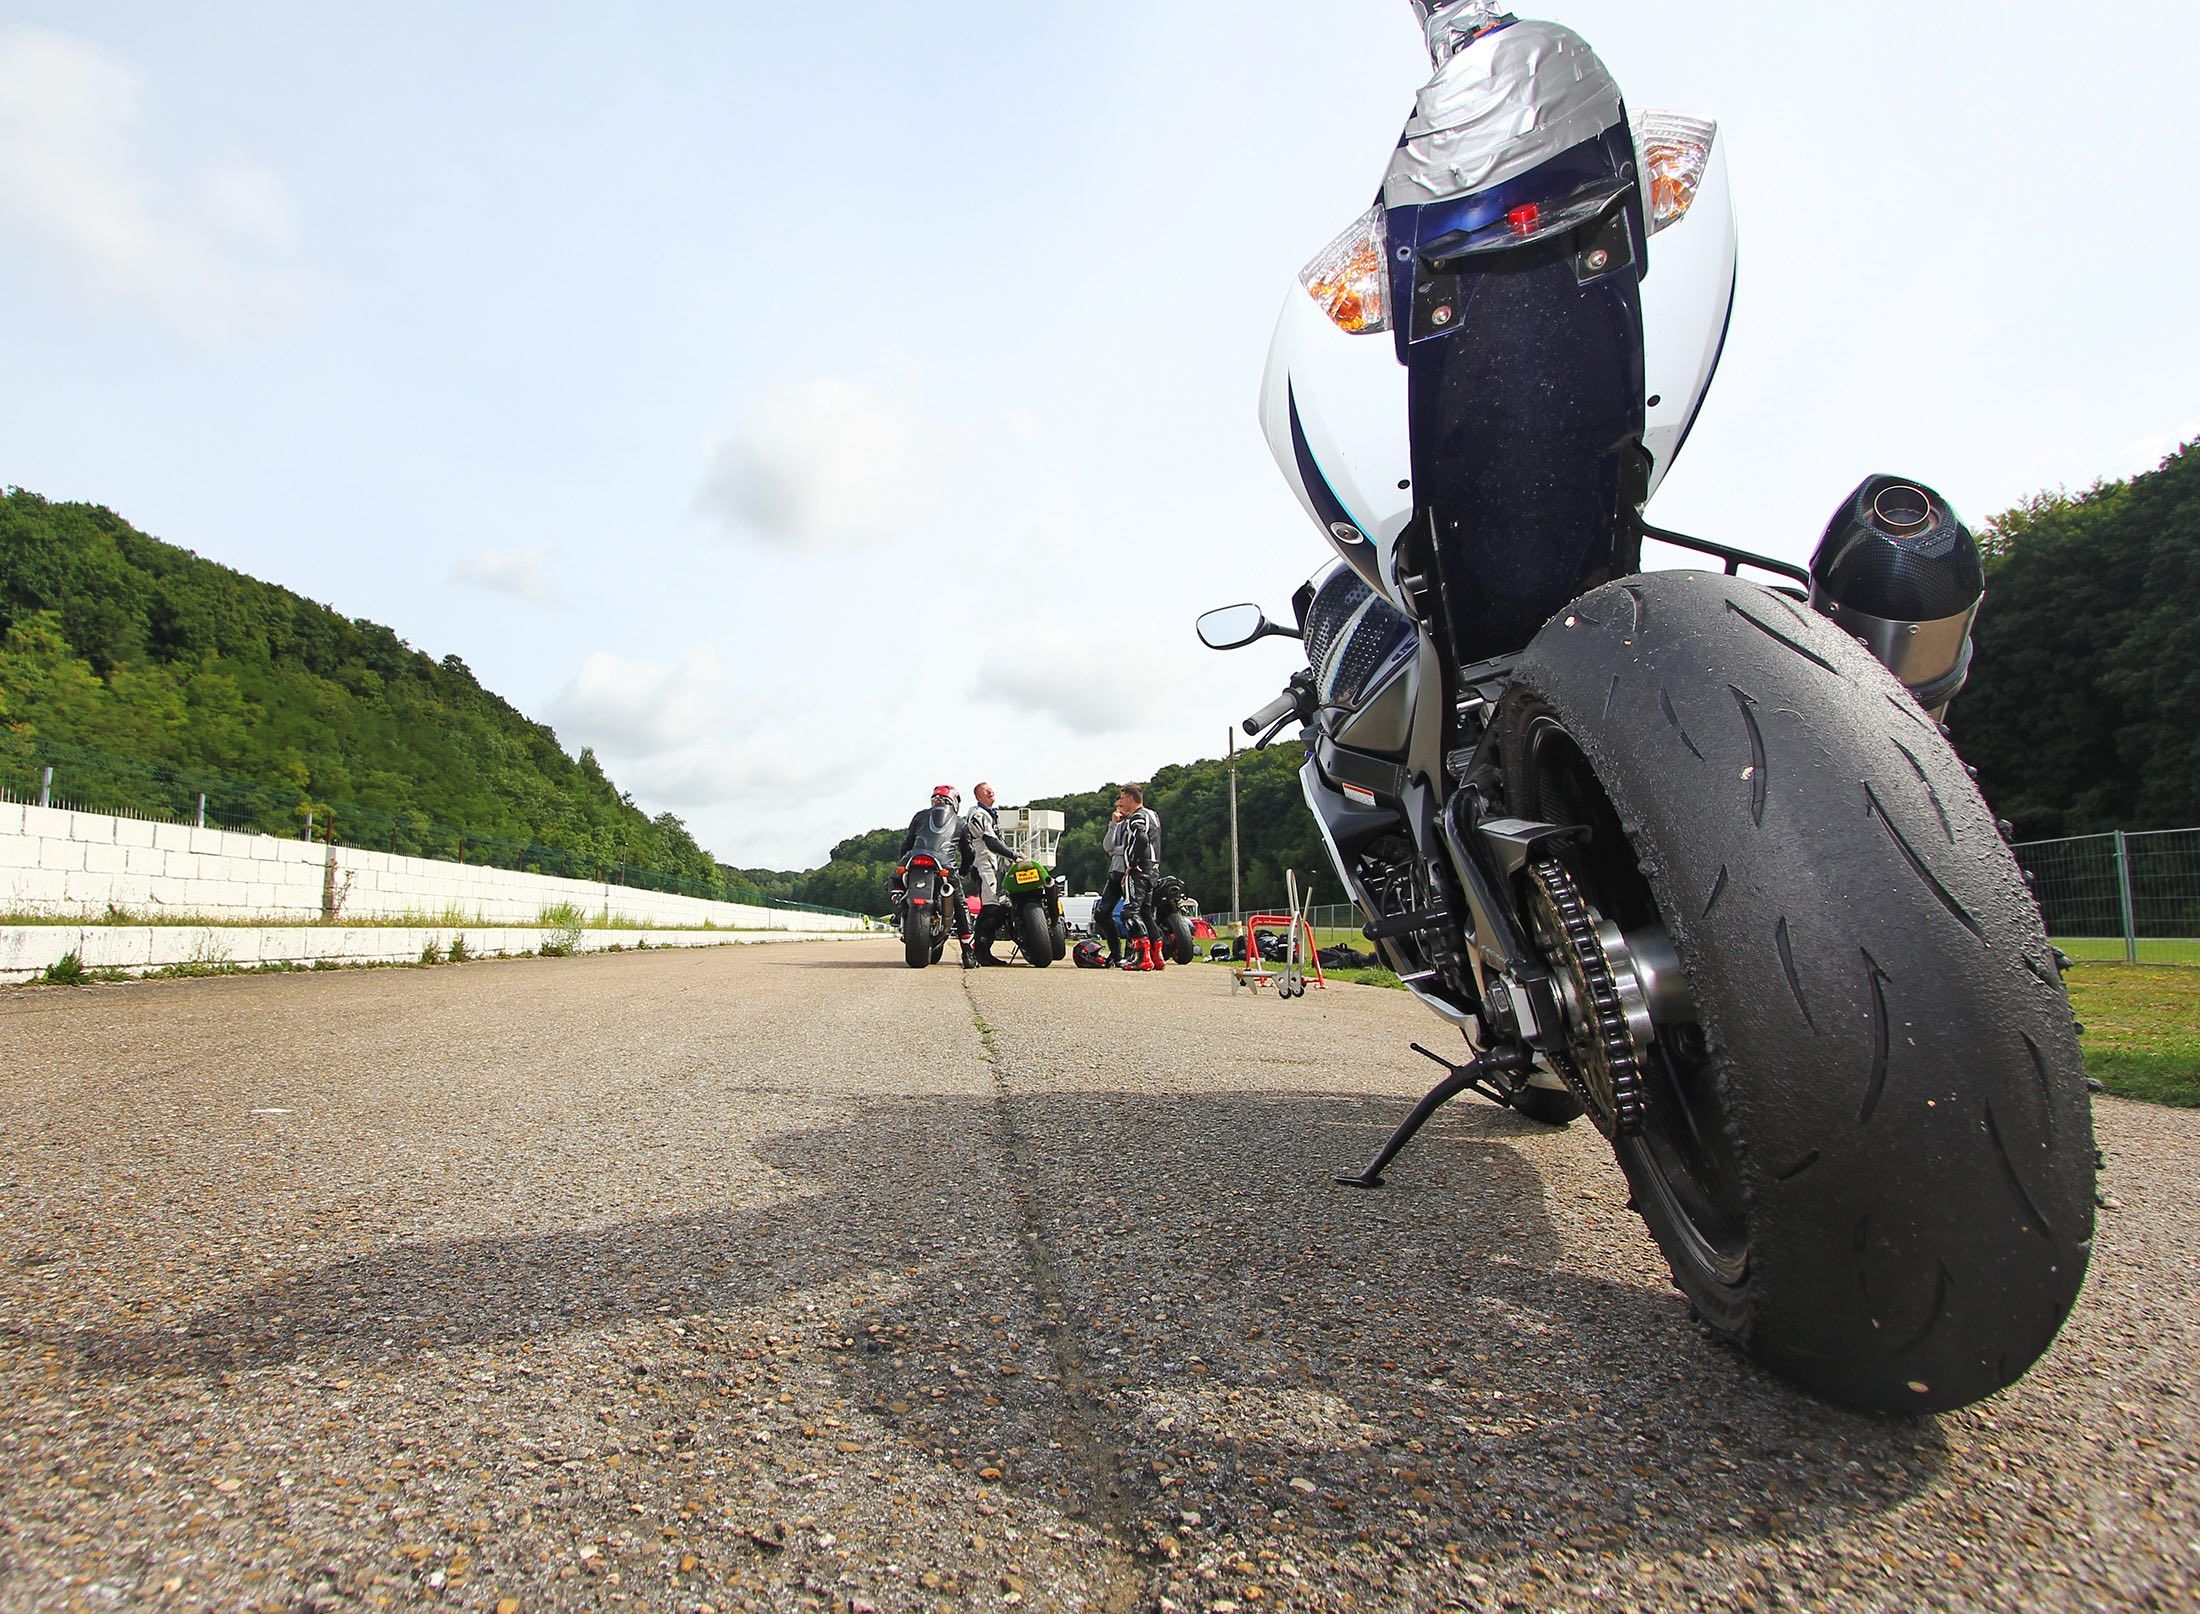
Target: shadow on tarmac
<point x="1243" y="1338"/>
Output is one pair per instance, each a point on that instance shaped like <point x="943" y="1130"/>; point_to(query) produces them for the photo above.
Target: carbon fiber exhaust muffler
<point x="1898" y="569"/>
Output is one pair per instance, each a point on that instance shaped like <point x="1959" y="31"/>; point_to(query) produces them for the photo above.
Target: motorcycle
<point x="921" y="892"/>
<point x="1030" y="913"/>
<point x="1175" y="913"/>
<point x="1687" y="851"/>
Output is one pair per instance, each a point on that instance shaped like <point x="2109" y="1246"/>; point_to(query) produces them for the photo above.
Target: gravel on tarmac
<point x="791" y="1278"/>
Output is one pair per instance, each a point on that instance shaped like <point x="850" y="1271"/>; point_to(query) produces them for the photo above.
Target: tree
<point x="2078" y="714"/>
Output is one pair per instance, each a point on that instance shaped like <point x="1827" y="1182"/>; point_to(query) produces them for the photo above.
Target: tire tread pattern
<point x="1916" y="1151"/>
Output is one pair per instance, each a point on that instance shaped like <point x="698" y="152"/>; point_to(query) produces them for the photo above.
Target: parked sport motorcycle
<point x="1687" y="852"/>
<point x="921" y="893"/>
<point x="1029" y="913"/>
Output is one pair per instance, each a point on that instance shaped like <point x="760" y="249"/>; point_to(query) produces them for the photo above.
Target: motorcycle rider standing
<point x="1111" y="889"/>
<point x="984" y="874"/>
<point x="941" y="831"/>
<point x="1141" y="846"/>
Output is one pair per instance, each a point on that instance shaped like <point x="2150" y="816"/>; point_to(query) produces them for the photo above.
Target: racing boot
<point x="1159" y="955"/>
<point x="1137" y="959"/>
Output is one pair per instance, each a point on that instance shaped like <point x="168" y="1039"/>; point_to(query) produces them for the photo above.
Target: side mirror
<point x="1231" y="627"/>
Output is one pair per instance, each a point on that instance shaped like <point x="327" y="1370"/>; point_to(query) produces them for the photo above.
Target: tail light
<point x="1675" y="150"/>
<point x="920" y="861"/>
<point x="1348" y="277"/>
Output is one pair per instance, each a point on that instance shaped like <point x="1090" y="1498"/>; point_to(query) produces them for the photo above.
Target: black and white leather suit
<point x="1141" y="868"/>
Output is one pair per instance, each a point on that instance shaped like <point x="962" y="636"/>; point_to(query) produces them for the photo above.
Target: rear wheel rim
<point x="1683" y="1155"/>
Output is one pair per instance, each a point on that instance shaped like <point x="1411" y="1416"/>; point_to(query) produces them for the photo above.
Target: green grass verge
<point x="2142" y="1030"/>
<point x="2110" y="949"/>
<point x="1373" y="976"/>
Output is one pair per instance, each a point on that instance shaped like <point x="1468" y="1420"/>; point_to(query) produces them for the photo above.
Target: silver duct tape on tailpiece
<point x="1510" y="101"/>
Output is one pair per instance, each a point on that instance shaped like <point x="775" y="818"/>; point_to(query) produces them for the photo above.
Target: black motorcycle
<point x="1175" y="913"/>
<point x="922" y="892"/>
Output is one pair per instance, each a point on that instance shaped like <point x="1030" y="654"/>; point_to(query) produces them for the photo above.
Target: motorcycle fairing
<point x="1686" y="306"/>
<point x="1333" y="407"/>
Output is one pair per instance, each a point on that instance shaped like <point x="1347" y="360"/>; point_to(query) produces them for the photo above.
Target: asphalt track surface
<point x="789" y="1277"/>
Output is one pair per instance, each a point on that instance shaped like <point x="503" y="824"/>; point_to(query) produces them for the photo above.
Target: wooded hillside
<point x="147" y="675"/>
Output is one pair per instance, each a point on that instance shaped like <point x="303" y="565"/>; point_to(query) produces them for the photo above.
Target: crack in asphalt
<point x="1081" y="1423"/>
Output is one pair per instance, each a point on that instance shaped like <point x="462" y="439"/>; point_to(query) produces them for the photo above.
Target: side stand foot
<point x="1485" y="1074"/>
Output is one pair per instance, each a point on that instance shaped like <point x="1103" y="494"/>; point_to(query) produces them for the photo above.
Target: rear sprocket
<point x="1600" y="1061"/>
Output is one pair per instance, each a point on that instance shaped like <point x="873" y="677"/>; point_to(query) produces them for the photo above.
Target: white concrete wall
<point x="62" y="863"/>
<point x="27" y="950"/>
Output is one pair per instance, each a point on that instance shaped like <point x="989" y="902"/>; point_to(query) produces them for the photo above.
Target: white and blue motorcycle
<point x="1687" y="852"/>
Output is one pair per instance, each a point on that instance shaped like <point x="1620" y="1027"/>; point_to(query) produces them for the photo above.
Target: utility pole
<point x="1236" y="911"/>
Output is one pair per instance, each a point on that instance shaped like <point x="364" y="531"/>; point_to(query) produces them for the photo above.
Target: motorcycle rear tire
<point x="916" y="938"/>
<point x="1182" y="949"/>
<point x="1033" y="939"/>
<point x="1870" y="1163"/>
<point x="1058" y="937"/>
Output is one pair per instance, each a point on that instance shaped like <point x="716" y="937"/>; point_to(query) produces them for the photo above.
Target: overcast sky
<point x="806" y="404"/>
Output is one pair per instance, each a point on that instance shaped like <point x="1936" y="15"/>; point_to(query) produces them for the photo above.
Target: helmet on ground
<point x="1089" y="955"/>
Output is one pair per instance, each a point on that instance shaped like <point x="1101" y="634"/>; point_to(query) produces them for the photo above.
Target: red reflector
<point x="921" y="902"/>
<point x="1522" y="220"/>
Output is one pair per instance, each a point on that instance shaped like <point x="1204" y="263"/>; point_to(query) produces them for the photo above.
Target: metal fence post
<point x="2123" y="893"/>
<point x="202" y="809"/>
<point x="45" y="789"/>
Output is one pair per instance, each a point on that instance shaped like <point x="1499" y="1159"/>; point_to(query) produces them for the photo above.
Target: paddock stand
<point x="1475" y="1074"/>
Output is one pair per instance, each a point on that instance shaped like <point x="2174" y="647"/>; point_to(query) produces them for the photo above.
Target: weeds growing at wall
<point x="565" y="922"/>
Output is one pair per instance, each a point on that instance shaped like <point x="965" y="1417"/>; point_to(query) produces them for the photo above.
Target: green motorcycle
<point x="1029" y="914"/>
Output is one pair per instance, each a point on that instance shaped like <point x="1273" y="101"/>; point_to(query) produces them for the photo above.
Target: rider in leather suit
<point x="941" y="831"/>
<point x="983" y="876"/>
<point x="1111" y="889"/>
<point x="1141" y="844"/>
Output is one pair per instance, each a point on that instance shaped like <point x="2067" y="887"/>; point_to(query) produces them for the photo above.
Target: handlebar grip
<point x="1274" y="712"/>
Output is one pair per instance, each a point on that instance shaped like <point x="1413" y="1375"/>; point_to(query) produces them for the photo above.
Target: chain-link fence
<point x="1326" y="918"/>
<point x="47" y="773"/>
<point x="2132" y="896"/>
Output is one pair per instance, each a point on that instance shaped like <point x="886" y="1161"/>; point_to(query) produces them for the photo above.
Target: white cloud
<point x="820" y="463"/>
<point x="78" y="188"/>
<point x="1089" y="683"/>
<point x="643" y="709"/>
<point x="727" y="772"/>
<point x="523" y="572"/>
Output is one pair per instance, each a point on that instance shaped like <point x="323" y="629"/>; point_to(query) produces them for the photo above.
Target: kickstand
<point x="1474" y="1074"/>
